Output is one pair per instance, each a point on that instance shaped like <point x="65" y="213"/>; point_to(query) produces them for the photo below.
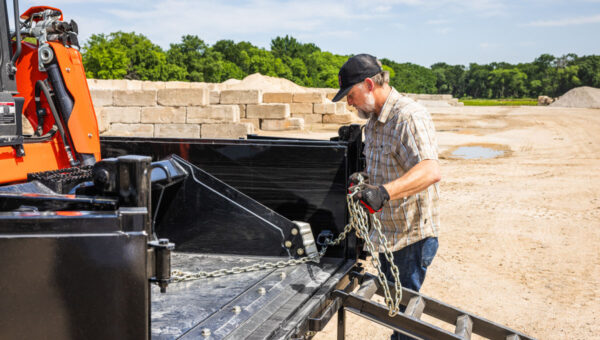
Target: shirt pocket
<point x="388" y="150"/>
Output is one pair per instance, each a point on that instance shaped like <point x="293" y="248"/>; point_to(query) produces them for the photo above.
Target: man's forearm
<point x="417" y="179"/>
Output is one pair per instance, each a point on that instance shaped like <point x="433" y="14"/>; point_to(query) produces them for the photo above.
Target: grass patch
<point x="499" y="102"/>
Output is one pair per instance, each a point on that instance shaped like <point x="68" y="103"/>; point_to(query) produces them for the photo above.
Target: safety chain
<point x="179" y="276"/>
<point x="359" y="222"/>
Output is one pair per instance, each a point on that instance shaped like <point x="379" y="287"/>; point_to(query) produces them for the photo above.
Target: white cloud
<point x="444" y="30"/>
<point x="488" y="45"/>
<point x="214" y="20"/>
<point x="437" y="22"/>
<point x="594" y="19"/>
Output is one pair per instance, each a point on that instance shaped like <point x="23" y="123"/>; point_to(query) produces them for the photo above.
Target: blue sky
<point x="417" y="31"/>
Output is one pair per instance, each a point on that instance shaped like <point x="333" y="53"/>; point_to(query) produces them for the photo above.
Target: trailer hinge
<point x="160" y="262"/>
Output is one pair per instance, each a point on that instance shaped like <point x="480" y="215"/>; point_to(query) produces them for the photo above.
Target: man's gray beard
<point x="362" y="114"/>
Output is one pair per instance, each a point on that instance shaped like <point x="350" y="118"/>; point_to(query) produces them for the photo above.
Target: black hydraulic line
<point x="40" y="84"/>
<point x="46" y="137"/>
<point x="65" y="102"/>
<point x="18" y="35"/>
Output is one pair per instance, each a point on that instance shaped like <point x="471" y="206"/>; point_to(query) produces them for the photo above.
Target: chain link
<point x="359" y="222"/>
<point x="179" y="276"/>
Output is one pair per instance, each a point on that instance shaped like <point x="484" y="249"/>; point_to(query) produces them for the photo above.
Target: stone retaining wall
<point x="202" y="110"/>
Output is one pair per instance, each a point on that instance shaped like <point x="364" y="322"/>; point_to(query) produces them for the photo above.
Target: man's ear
<point x="370" y="84"/>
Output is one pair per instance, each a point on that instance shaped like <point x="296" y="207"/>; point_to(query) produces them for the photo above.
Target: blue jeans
<point x="412" y="262"/>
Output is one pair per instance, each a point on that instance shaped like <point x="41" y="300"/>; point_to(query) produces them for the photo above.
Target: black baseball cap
<point x="355" y="70"/>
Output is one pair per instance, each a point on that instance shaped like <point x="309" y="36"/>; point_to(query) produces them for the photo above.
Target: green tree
<point x="235" y="53"/>
<point x="507" y="83"/>
<point x="290" y="47"/>
<point x="476" y="81"/>
<point x="411" y="77"/>
<point x="589" y="70"/>
<point x="121" y="55"/>
<point x="191" y="54"/>
<point x="147" y="61"/>
<point x="449" y="78"/>
<point x="323" y="69"/>
<point x="566" y="79"/>
<point x="103" y="60"/>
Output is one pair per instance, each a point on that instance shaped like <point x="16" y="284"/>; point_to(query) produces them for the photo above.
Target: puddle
<point x="476" y="152"/>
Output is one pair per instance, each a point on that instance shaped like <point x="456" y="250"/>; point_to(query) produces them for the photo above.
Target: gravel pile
<point x="584" y="96"/>
<point x="257" y="81"/>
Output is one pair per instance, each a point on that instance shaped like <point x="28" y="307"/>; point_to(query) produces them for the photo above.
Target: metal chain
<point x="359" y="219"/>
<point x="179" y="276"/>
<point x="359" y="222"/>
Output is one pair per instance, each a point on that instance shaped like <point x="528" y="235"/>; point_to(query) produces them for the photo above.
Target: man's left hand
<point x="372" y="197"/>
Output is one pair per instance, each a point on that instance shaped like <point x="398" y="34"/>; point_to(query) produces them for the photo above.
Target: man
<point x="402" y="168"/>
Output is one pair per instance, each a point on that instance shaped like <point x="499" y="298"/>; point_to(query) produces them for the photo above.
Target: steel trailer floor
<point x="188" y="309"/>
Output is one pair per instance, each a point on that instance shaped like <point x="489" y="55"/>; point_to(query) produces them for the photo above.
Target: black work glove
<point x="372" y="197"/>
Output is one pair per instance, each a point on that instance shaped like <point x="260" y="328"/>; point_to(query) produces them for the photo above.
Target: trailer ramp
<point x="409" y="322"/>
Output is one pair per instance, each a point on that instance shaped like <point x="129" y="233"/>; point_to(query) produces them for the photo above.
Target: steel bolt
<point x="262" y="291"/>
<point x="288" y="244"/>
<point x="300" y="251"/>
<point x="205" y="332"/>
<point x="236" y="309"/>
<point x="90" y="135"/>
<point x="282" y="275"/>
<point x="294" y="231"/>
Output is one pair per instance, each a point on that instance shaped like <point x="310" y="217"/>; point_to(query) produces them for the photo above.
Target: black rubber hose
<point x="40" y="84"/>
<point x="64" y="100"/>
<point x="48" y="136"/>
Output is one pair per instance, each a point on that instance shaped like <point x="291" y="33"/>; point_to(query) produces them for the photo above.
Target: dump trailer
<point x="140" y="238"/>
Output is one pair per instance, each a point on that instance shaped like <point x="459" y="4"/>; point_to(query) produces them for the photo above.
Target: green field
<point x="499" y="102"/>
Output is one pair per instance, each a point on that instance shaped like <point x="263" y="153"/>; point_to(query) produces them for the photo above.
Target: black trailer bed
<point x="190" y="308"/>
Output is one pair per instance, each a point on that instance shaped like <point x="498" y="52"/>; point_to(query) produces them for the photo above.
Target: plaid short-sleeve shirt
<point x="402" y="136"/>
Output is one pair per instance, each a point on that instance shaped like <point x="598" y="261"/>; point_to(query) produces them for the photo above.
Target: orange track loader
<point x="46" y="84"/>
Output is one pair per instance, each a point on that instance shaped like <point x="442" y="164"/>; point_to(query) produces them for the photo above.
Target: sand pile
<point x="584" y="96"/>
<point x="257" y="81"/>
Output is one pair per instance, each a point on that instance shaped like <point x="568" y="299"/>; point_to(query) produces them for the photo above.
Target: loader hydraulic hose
<point x="65" y="102"/>
<point x="39" y="85"/>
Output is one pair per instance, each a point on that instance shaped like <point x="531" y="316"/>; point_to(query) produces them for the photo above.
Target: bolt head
<point x="236" y="309"/>
<point x="300" y="251"/>
<point x="262" y="291"/>
<point x="294" y="231"/>
<point x="205" y="332"/>
<point x="288" y="244"/>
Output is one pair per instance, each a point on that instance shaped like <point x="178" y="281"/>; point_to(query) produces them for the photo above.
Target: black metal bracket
<point x="160" y="262"/>
<point x="324" y="237"/>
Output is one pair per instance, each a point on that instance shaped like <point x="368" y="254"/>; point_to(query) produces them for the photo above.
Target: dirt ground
<point x="520" y="233"/>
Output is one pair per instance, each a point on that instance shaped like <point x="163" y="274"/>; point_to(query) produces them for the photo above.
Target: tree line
<point x="122" y="55"/>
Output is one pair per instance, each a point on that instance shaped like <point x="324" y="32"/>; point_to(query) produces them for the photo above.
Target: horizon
<point x="469" y="31"/>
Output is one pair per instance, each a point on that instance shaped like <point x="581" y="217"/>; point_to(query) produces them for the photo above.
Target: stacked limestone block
<point x="168" y="109"/>
<point x="202" y="110"/>
<point x="307" y="109"/>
